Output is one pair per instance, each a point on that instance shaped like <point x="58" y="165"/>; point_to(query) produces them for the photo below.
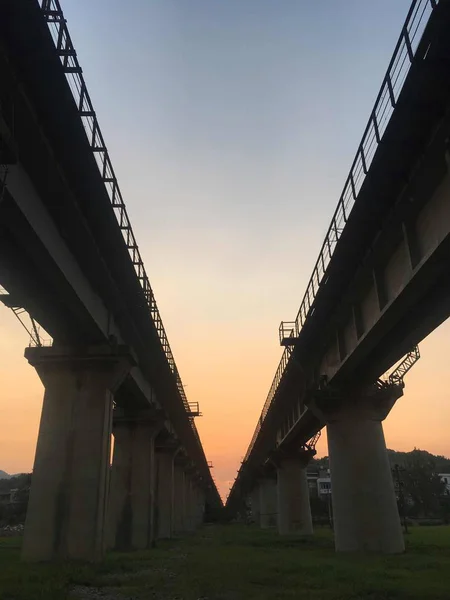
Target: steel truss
<point x="406" y="364"/>
<point x="30" y="325"/>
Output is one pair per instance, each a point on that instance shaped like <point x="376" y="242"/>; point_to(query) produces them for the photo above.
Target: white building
<point x="445" y="477"/>
<point x="324" y="484"/>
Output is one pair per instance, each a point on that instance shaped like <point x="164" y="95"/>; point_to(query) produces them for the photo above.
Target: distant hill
<point x="14" y="481"/>
<point x="441" y="463"/>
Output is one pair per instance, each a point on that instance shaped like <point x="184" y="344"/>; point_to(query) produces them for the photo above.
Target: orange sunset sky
<point x="232" y="127"/>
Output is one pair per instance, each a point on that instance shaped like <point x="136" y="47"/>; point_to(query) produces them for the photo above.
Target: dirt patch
<point x="82" y="592"/>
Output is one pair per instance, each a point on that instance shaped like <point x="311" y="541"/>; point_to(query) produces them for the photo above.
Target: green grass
<point x="240" y="563"/>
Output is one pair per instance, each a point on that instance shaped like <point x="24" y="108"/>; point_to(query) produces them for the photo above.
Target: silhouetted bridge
<point x="380" y="285"/>
<point x="69" y="258"/>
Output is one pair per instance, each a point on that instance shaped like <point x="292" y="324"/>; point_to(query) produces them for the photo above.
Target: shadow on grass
<point x="238" y="563"/>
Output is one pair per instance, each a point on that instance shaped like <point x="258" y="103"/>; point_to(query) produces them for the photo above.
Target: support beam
<point x="364" y="504"/>
<point x="294" y="511"/>
<point x="132" y="495"/>
<point x="66" y="512"/>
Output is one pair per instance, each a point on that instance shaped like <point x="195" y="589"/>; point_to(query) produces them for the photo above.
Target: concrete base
<point x="294" y="511"/>
<point x="66" y="512"/>
<point x="131" y="506"/>
<point x="268" y="502"/>
<point x="364" y="504"/>
<point x="165" y="493"/>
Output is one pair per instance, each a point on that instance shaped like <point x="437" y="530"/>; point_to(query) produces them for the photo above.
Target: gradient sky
<point x="232" y="125"/>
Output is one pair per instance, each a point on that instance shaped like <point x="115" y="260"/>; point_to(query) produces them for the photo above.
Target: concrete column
<point x="179" y="499"/>
<point x="190" y="503"/>
<point x="198" y="506"/>
<point x="364" y="504"/>
<point x="268" y="502"/>
<point x="67" y="508"/>
<point x="165" y="493"/>
<point x="201" y="506"/>
<point x="132" y="494"/>
<point x="194" y="509"/>
<point x="294" y="511"/>
<point x="255" y="504"/>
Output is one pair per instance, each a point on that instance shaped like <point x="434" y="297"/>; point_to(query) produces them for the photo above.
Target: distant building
<point x="319" y="483"/>
<point x="324" y="484"/>
<point x="5" y="497"/>
<point x="445" y="478"/>
<point x="8" y="497"/>
<point x="312" y="476"/>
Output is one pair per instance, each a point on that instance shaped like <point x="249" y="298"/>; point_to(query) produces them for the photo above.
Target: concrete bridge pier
<point x="165" y="456"/>
<point x="132" y="493"/>
<point x="200" y="507"/>
<point x="190" y="524"/>
<point x="196" y="506"/>
<point x="294" y="510"/>
<point x="179" y="497"/>
<point x="268" y="502"/>
<point x="67" y="508"/>
<point x="364" y="504"/>
<point x="255" y="504"/>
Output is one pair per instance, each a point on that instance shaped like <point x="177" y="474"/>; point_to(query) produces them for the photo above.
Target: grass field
<point x="239" y="563"/>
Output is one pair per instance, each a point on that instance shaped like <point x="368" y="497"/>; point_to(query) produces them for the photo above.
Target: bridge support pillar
<point x="268" y="502"/>
<point x="364" y="504"/>
<point x="132" y="495"/>
<point x="255" y="503"/>
<point x="294" y="510"/>
<point x="179" y="499"/>
<point x="196" y="507"/>
<point x="190" y="504"/>
<point x="66" y="512"/>
<point x="200" y="507"/>
<point x="165" y="493"/>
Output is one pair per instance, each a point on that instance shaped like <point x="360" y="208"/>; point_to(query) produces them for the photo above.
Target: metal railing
<point x="286" y="333"/>
<point x="273" y="388"/>
<point x="58" y="28"/>
<point x="194" y="409"/>
<point x="385" y="103"/>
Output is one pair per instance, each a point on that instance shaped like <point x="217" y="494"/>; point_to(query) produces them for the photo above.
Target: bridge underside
<point x="407" y="170"/>
<point x="63" y="258"/>
<point x="386" y="287"/>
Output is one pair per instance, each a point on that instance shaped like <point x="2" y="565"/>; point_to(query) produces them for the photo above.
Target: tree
<point x="15" y="512"/>
<point x="422" y="484"/>
<point x="320" y="463"/>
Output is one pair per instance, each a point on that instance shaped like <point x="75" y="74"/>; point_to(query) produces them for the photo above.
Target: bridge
<point x="70" y="263"/>
<point x="380" y="285"/>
